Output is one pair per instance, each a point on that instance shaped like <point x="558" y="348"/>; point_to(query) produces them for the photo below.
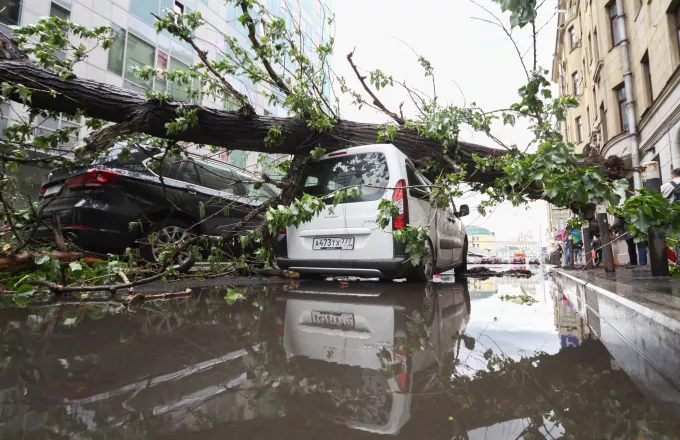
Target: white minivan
<point x="346" y="240"/>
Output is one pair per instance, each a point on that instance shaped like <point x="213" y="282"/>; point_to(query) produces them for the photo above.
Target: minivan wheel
<point x="169" y="231"/>
<point x="460" y="270"/>
<point x="425" y="269"/>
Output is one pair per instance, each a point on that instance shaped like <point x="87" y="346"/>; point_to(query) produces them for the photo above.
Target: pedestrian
<point x="578" y="248"/>
<point x="567" y="238"/>
<point x="671" y="189"/>
<point x="635" y="250"/>
<point x="596" y="246"/>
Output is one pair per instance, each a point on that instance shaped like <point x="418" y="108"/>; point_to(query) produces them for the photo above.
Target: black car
<point x="174" y="197"/>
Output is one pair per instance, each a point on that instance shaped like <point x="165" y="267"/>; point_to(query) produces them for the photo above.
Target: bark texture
<point x="135" y="113"/>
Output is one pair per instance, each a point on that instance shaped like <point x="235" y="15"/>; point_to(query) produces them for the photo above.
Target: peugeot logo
<point x="331" y="210"/>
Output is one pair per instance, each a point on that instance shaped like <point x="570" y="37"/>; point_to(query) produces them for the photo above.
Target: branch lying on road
<point x="153" y="296"/>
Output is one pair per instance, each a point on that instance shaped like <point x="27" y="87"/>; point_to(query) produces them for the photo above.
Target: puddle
<point x="325" y="360"/>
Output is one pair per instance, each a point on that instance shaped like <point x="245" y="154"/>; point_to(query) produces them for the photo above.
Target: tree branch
<point x="258" y="51"/>
<point x="399" y="120"/>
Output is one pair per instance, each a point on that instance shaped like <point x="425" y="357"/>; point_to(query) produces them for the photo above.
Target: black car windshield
<point x="368" y="171"/>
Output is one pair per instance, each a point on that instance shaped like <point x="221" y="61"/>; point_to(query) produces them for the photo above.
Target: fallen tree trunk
<point x="215" y="127"/>
<point x="24" y="260"/>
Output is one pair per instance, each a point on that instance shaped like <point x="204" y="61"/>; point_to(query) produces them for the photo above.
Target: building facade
<point x="481" y="240"/>
<point x="137" y="44"/>
<point x="620" y="59"/>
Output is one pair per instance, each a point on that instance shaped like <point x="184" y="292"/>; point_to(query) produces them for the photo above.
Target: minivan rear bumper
<point x="396" y="267"/>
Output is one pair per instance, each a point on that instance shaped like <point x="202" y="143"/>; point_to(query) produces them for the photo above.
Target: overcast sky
<point x="472" y="60"/>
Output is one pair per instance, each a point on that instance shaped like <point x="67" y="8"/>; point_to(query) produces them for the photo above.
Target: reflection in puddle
<point x="323" y="360"/>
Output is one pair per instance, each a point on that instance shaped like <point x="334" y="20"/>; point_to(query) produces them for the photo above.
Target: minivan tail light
<point x="400" y="199"/>
<point x="43" y="189"/>
<point x="93" y="178"/>
<point x="339" y="153"/>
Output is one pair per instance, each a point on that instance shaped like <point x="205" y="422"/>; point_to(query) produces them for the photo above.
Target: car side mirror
<point x="464" y="210"/>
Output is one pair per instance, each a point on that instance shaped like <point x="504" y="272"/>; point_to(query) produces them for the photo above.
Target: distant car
<point x="496" y="260"/>
<point x="486" y="260"/>
<point x="534" y="261"/>
<point x="506" y="260"/>
<point x="518" y="260"/>
<point x="95" y="205"/>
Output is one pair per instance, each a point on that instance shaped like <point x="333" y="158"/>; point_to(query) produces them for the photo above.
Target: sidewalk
<point x="657" y="298"/>
<point x="631" y="309"/>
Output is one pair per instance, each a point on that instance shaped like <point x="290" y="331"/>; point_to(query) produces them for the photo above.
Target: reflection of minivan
<point x="96" y="205"/>
<point x="346" y="331"/>
<point x="345" y="239"/>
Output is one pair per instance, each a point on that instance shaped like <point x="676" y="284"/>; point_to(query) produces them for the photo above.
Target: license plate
<point x="325" y="243"/>
<point x="52" y="190"/>
<point x="344" y="320"/>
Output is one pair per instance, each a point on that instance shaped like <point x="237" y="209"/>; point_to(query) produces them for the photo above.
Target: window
<point x="58" y="11"/>
<point x="160" y="83"/>
<point x="613" y="24"/>
<point x="621" y="98"/>
<point x="221" y="179"/>
<point x="576" y="84"/>
<point x="579" y="129"/>
<point x="139" y="53"/>
<point x="590" y="49"/>
<point x="676" y="23"/>
<point x="47" y="126"/>
<point x="603" y="124"/>
<point x="585" y="76"/>
<point x="178" y="7"/>
<point x="179" y="91"/>
<point x="145" y="9"/>
<point x="117" y="51"/>
<point x="572" y="37"/>
<point x="189" y="174"/>
<point x="168" y="168"/>
<point x="349" y="170"/>
<point x="647" y="77"/>
<point x="4" y="119"/>
<point x="596" y="46"/>
<point x="238" y="158"/>
<point x="9" y="11"/>
<point x="415" y="181"/>
<point x="588" y="118"/>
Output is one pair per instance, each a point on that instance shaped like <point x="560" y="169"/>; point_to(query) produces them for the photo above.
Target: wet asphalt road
<point x="501" y="358"/>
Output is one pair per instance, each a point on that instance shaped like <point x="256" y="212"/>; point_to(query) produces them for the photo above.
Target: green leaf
<point x="26" y="290"/>
<point x="233" y="296"/>
<point x="41" y="259"/>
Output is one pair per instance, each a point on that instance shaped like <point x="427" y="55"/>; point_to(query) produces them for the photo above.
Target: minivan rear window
<point x="367" y="170"/>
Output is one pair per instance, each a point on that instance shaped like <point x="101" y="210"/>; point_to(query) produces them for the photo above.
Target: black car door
<point x="192" y="195"/>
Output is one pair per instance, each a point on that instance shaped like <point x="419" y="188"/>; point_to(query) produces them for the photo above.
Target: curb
<point x="660" y="318"/>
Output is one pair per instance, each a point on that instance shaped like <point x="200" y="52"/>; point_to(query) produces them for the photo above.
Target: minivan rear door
<point x="348" y="230"/>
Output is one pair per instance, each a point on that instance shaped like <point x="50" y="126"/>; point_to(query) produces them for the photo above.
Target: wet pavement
<point x="489" y="358"/>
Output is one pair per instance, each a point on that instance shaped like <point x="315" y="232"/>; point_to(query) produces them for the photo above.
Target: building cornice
<point x="611" y="143"/>
<point x="671" y="119"/>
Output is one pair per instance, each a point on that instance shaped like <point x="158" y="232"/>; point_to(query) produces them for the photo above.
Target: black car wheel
<point x="425" y="269"/>
<point x="171" y="231"/>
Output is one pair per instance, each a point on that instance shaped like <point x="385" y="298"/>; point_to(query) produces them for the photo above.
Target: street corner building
<point x="137" y="44"/>
<point x="621" y="60"/>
